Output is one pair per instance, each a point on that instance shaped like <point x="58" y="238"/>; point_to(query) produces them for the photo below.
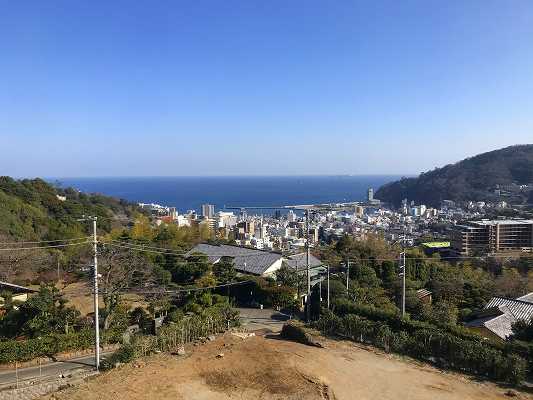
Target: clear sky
<point x="271" y="87"/>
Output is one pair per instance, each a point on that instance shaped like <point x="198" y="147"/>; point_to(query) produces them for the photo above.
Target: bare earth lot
<point x="268" y="368"/>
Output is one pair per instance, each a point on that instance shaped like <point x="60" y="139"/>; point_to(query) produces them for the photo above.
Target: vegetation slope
<point x="474" y="178"/>
<point x="30" y="209"/>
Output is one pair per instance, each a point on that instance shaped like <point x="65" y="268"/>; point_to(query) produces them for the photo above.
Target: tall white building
<point x="291" y="216"/>
<point x="208" y="210"/>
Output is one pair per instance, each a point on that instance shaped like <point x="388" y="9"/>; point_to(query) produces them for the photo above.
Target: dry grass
<point x="259" y="368"/>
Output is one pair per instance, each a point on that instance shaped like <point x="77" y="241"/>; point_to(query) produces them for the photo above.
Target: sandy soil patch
<point x="263" y="368"/>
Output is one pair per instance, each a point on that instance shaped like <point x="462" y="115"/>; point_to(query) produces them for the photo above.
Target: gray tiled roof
<point x="502" y="325"/>
<point x="300" y="260"/>
<point x="246" y="260"/>
<point x="528" y="297"/>
<point x="518" y="308"/>
<point x="501" y="313"/>
<point x="15" y="288"/>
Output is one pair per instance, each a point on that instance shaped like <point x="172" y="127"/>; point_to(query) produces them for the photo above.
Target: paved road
<point x="252" y="318"/>
<point x="255" y="319"/>
<point x="52" y="369"/>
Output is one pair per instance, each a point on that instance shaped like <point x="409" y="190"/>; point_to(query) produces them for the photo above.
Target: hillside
<point x="474" y="178"/>
<point x="270" y="369"/>
<point x="35" y="210"/>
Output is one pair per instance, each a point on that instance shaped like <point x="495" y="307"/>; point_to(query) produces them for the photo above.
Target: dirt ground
<point x="269" y="368"/>
<point x="79" y="295"/>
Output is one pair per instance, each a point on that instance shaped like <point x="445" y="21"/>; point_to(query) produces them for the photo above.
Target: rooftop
<point x="247" y="260"/>
<point x="486" y="222"/>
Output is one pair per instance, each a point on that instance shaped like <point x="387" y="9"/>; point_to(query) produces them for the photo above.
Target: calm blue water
<point x="189" y="193"/>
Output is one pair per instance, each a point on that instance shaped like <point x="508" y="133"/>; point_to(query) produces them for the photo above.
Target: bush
<point x="46" y="346"/>
<point x="448" y="348"/>
<point x="124" y="354"/>
<point x="298" y="333"/>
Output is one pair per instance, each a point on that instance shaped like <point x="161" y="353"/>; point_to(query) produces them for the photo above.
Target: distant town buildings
<point x="285" y="230"/>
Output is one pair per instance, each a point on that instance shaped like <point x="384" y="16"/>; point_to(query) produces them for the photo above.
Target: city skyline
<point x="261" y="89"/>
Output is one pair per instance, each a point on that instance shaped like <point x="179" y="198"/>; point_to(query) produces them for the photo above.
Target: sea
<point x="189" y="193"/>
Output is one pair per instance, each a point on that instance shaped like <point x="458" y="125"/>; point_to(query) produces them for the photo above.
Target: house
<point x="248" y="261"/>
<point x="18" y="293"/>
<point x="424" y="295"/>
<point x="500" y="313"/>
<point x="253" y="261"/>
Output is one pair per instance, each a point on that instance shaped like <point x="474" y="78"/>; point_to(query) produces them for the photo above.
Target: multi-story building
<point x="493" y="236"/>
<point x="208" y="210"/>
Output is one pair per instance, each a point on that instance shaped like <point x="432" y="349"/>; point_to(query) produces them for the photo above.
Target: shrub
<point x="124" y="354"/>
<point x="444" y="346"/>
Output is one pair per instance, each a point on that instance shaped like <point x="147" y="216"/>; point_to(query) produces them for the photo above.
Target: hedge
<point x="396" y="322"/>
<point x="429" y="344"/>
<point x="46" y="346"/>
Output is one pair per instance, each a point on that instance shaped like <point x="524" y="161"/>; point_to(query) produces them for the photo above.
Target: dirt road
<point x="268" y="368"/>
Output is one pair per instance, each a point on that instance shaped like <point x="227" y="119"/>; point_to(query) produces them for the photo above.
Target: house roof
<point x="501" y="313"/>
<point x="247" y="260"/>
<point x="300" y="260"/>
<point x="15" y="288"/>
<point x="528" y="297"/>
<point x="518" y="308"/>
<point x="421" y="293"/>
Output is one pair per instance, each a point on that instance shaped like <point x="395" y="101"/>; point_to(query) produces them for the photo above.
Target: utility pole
<point x="403" y="272"/>
<point x="95" y="292"/>
<point x="58" y="276"/>
<point x="308" y="260"/>
<point x="347" y="274"/>
<point x="96" y="317"/>
<point x="297" y="282"/>
<point x="328" y="286"/>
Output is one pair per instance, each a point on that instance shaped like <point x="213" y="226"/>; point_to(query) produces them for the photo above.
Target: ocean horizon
<point x="190" y="192"/>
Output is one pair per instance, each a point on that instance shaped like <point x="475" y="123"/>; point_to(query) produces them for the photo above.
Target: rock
<point x="243" y="335"/>
<point x="181" y="351"/>
<point x="511" y="393"/>
<point x="220" y="355"/>
<point x="211" y="338"/>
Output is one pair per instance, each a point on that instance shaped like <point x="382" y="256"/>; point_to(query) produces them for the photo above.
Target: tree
<point x="441" y="313"/>
<point x="447" y="284"/>
<point x="120" y="270"/>
<point x="287" y="276"/>
<point x="142" y="229"/>
<point x="44" y="313"/>
<point x="523" y="330"/>
<point x="510" y="283"/>
<point x="224" y="270"/>
<point x="188" y="270"/>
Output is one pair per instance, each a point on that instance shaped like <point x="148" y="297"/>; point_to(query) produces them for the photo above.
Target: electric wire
<point x="45" y="241"/>
<point x="44" y="247"/>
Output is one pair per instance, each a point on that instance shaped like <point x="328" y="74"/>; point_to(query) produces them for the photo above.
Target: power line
<point x="459" y="258"/>
<point x="165" y="291"/>
<point x="189" y="253"/>
<point x="45" y="241"/>
<point x="143" y="246"/>
<point x="43" y="247"/>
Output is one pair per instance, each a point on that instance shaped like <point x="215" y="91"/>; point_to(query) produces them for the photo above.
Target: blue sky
<point x="115" y="88"/>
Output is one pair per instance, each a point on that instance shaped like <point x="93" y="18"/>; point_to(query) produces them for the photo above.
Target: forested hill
<point x="32" y="210"/>
<point x="474" y="178"/>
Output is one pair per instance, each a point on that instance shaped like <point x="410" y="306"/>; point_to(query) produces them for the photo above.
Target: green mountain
<point x="32" y="209"/>
<point x="476" y="178"/>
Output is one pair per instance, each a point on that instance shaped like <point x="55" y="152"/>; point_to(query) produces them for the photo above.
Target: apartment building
<point x="493" y="236"/>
